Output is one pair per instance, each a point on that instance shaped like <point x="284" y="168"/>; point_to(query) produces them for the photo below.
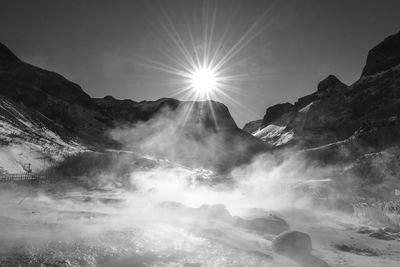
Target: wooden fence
<point x="11" y="177"/>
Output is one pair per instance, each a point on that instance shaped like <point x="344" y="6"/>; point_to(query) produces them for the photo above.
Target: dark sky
<point x="110" y="47"/>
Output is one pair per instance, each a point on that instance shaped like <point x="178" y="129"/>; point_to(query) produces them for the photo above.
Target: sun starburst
<point x="204" y="80"/>
<point x="199" y="56"/>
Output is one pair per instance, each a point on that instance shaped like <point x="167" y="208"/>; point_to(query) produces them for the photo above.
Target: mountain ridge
<point x="335" y="111"/>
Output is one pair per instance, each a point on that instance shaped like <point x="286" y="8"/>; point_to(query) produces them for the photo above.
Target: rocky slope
<point x="52" y="100"/>
<point x="252" y="126"/>
<point x="337" y="111"/>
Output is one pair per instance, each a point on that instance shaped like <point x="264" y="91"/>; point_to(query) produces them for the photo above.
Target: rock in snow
<point x="293" y="244"/>
<point x="297" y="246"/>
<point x="381" y="234"/>
<point x="271" y="224"/>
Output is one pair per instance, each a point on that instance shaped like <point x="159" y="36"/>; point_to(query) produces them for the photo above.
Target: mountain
<point x="51" y="100"/>
<point x="129" y="111"/>
<point x="212" y="114"/>
<point x="354" y="128"/>
<point x="383" y="56"/>
<point x="337" y="111"/>
<point x="252" y="126"/>
<point x="195" y="133"/>
<point x="44" y="114"/>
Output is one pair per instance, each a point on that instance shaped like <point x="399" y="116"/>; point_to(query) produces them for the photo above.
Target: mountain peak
<point x="274" y="112"/>
<point x="109" y="98"/>
<point x="330" y="82"/>
<point x="6" y="56"/>
<point x="383" y="56"/>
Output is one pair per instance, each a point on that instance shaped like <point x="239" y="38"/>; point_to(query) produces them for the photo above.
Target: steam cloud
<point x="266" y="182"/>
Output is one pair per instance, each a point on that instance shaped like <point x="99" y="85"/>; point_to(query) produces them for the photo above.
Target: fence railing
<point x="9" y="177"/>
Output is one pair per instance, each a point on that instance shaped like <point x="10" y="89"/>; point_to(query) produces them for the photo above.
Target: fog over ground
<point x="36" y="207"/>
<point x="155" y="202"/>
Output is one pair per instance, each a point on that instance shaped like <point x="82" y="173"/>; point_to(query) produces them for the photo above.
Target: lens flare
<point x="199" y="57"/>
<point x="203" y="81"/>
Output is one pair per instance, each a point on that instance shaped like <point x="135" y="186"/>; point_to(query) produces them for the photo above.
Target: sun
<point x="203" y="81"/>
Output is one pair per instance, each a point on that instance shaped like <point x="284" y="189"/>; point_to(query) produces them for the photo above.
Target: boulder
<point x="297" y="246"/>
<point x="313" y="261"/>
<point x="292" y="244"/>
<point x="259" y="213"/>
<point x="215" y="212"/>
<point x="391" y="230"/>
<point x="381" y="234"/>
<point x="364" y="230"/>
<point x="270" y="224"/>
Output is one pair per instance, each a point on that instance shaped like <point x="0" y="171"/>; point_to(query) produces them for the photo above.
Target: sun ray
<point x="213" y="114"/>
<point x="173" y="34"/>
<point x="244" y="40"/>
<point x="201" y="60"/>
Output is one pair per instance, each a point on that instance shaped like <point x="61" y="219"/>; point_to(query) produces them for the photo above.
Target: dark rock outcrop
<point x="129" y="111"/>
<point x="383" y="56"/>
<point x="7" y="58"/>
<point x="275" y="112"/>
<point x="382" y="235"/>
<point x="364" y="230"/>
<point x="368" y="110"/>
<point x="392" y="230"/>
<point x="67" y="109"/>
<point x="210" y="114"/>
<point x="252" y="126"/>
<point x="305" y="100"/>
<point x="331" y="84"/>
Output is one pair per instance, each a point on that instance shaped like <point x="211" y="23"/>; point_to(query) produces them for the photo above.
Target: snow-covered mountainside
<point x="252" y="126"/>
<point x="25" y="139"/>
<point x="52" y="100"/>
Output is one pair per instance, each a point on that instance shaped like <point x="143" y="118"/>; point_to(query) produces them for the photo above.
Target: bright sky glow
<point x="203" y="81"/>
<point x="203" y="61"/>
